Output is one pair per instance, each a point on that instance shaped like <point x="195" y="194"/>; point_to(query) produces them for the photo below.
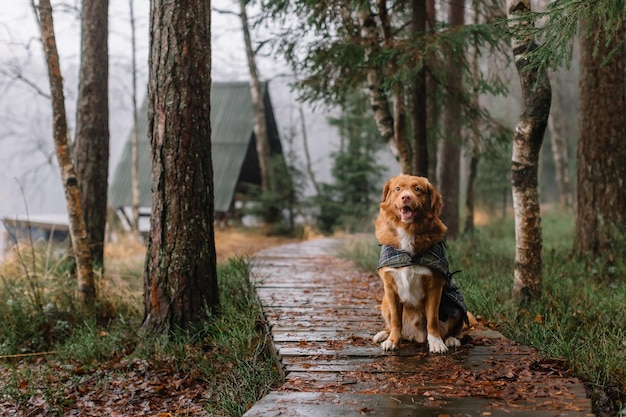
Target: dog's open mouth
<point x="406" y="214"/>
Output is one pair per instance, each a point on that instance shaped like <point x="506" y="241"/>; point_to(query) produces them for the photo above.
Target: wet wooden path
<point x="323" y="314"/>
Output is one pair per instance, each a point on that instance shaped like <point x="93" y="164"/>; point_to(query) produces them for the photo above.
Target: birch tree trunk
<point x="527" y="139"/>
<point x="78" y="233"/>
<point x="399" y="106"/>
<point x="91" y="147"/>
<point x="260" y="124"/>
<point x="378" y="99"/>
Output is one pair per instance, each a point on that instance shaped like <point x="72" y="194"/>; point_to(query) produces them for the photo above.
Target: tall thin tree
<point x="473" y="157"/>
<point x="268" y="182"/>
<point x="557" y="126"/>
<point x="449" y="152"/>
<point x="397" y="91"/>
<point x="433" y="104"/>
<point x="376" y="92"/>
<point x="91" y="147"/>
<point x="558" y="141"/>
<point x="527" y="139"/>
<point x="134" y="162"/>
<point x="78" y="232"/>
<point x="307" y="153"/>
<point x="419" y="96"/>
<point x="473" y="152"/>
<point x="180" y="278"/>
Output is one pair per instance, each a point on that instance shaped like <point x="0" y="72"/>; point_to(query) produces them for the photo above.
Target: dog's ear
<point x="386" y="190"/>
<point x="436" y="200"/>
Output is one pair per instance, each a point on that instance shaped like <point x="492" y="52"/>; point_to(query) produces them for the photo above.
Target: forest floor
<point x="121" y="383"/>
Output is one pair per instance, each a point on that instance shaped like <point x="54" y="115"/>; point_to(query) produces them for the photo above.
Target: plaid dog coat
<point x="452" y="302"/>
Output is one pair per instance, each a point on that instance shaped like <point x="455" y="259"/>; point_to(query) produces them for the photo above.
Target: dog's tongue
<point x="406" y="213"/>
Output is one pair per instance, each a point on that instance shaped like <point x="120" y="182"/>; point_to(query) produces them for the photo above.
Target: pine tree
<point x="180" y="277"/>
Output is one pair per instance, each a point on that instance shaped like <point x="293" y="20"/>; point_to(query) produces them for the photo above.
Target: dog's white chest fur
<point x="408" y="281"/>
<point x="406" y="241"/>
<point x="408" y="278"/>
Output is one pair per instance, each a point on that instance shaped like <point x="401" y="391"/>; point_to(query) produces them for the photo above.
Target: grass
<point x="579" y="317"/>
<point x="225" y="366"/>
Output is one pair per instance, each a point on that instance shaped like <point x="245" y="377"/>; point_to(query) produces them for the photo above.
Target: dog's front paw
<point x="388" y="345"/>
<point x="436" y="345"/>
<point x="453" y="342"/>
<point x="381" y="336"/>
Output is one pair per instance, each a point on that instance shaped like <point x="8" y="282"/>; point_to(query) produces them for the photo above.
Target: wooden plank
<point x="361" y="326"/>
<point x="386" y="363"/>
<point x="322" y="335"/>
<point x="327" y="404"/>
<point x="323" y="350"/>
<point x="329" y="315"/>
<point x="391" y="364"/>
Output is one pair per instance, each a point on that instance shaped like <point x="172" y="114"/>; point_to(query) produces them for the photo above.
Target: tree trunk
<point x="601" y="218"/>
<point x="419" y="98"/>
<point x="527" y="140"/>
<point x="134" y="163"/>
<point x="260" y="124"/>
<point x="180" y="278"/>
<point x="91" y="148"/>
<point x="432" y="104"/>
<point x="399" y="106"/>
<point x="449" y="152"/>
<point x="78" y="233"/>
<point x="558" y="140"/>
<point x="399" y="130"/>
<point x="474" y="145"/>
<point x="448" y="171"/>
<point x="558" y="135"/>
<point x="469" y="198"/>
<point x="307" y="153"/>
<point x="378" y="99"/>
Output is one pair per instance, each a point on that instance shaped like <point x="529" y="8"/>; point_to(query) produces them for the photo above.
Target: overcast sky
<point x="30" y="180"/>
<point x="26" y="145"/>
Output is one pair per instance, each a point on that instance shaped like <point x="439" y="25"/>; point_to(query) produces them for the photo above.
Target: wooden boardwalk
<point x="323" y="314"/>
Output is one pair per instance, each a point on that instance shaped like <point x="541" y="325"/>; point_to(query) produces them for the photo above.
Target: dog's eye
<point x="397" y="188"/>
<point x="418" y="189"/>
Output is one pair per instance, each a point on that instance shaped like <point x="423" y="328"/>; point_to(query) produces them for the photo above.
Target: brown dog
<point x="414" y="267"/>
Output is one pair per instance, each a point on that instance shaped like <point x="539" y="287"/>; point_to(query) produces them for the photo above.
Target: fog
<point x="30" y="181"/>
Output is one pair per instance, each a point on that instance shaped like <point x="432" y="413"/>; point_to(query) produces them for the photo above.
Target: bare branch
<point x="223" y="11"/>
<point x="18" y="76"/>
